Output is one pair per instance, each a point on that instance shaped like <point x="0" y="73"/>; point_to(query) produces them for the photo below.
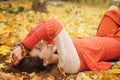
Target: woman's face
<point x="44" y="51"/>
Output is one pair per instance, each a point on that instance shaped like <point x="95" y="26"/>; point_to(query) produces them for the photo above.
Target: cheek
<point x="47" y="56"/>
<point x="41" y="55"/>
<point x="33" y="53"/>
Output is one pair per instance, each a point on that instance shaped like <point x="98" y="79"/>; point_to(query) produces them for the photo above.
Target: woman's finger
<point x="14" y="59"/>
<point x="17" y="61"/>
<point x="11" y="56"/>
<point x="45" y="63"/>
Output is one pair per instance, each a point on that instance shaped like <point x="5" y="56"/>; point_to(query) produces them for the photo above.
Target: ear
<point x="45" y="63"/>
<point x="34" y="52"/>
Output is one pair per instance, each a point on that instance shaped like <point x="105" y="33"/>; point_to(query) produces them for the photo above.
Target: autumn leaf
<point x="80" y="20"/>
<point x="4" y="50"/>
<point x="33" y="76"/>
<point x="82" y="76"/>
<point x="2" y="65"/>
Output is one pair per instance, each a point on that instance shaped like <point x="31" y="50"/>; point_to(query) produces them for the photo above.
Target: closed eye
<point x="38" y="48"/>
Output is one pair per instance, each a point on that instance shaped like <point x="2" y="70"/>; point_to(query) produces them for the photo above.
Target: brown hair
<point x="30" y="64"/>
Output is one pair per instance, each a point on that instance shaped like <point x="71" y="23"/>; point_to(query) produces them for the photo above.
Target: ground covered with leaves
<point x="18" y="18"/>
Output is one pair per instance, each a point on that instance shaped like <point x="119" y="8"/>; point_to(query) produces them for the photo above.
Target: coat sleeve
<point x="45" y="30"/>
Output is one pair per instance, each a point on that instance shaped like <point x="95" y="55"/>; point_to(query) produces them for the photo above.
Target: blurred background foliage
<point x="79" y="1"/>
<point x="80" y="18"/>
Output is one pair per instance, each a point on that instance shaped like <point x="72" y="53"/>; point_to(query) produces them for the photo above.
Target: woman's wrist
<point x="24" y="49"/>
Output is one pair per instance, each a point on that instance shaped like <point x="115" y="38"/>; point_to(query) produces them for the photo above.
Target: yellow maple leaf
<point x="34" y="76"/>
<point x="8" y="60"/>
<point x="82" y="76"/>
<point x="6" y="39"/>
<point x="8" y="29"/>
<point x="1" y="65"/>
<point x="4" y="50"/>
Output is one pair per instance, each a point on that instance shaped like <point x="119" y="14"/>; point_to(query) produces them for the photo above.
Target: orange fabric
<point x="109" y="25"/>
<point x="92" y="51"/>
<point x="33" y="36"/>
<point x="46" y="30"/>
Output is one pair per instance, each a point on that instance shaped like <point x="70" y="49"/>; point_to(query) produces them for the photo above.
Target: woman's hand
<point x="17" y="55"/>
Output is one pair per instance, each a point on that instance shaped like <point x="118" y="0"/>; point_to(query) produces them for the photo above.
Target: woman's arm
<point x="34" y="36"/>
<point x="47" y="31"/>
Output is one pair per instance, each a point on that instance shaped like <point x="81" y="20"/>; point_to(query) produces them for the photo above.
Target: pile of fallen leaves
<point x="17" y="18"/>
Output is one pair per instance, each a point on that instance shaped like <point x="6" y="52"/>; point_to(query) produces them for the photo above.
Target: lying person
<point x="34" y="63"/>
<point x="74" y="54"/>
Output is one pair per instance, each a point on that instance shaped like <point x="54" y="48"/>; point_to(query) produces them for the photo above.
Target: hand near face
<point x="17" y="55"/>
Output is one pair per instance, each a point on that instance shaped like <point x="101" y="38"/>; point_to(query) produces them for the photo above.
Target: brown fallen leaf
<point x="8" y="76"/>
<point x="61" y="70"/>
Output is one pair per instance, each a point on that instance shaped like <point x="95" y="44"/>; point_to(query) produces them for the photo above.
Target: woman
<point x="74" y="54"/>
